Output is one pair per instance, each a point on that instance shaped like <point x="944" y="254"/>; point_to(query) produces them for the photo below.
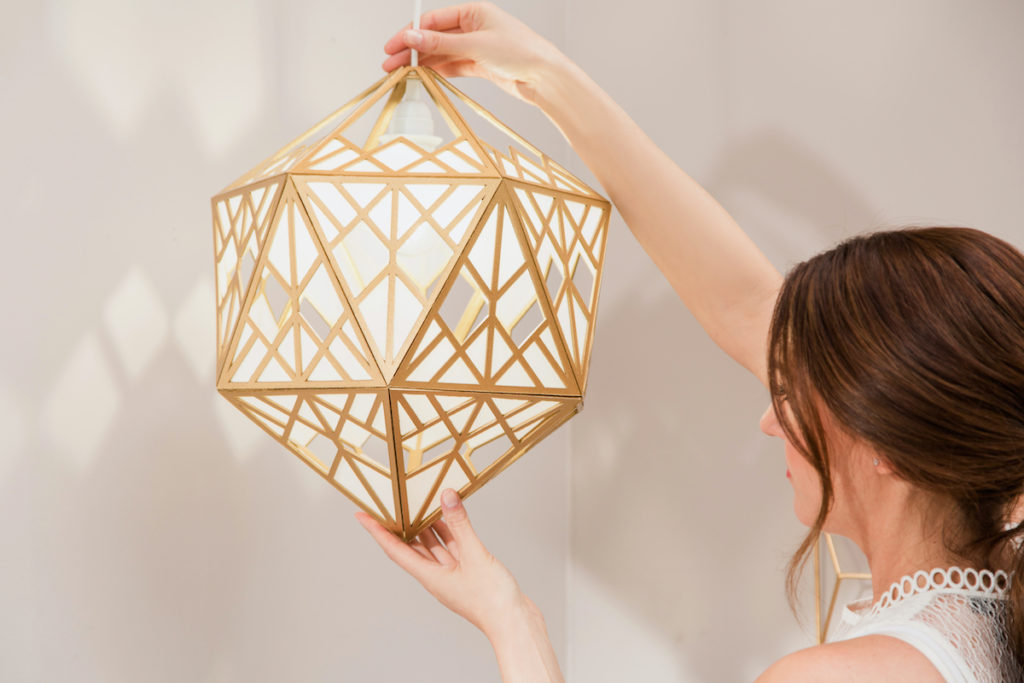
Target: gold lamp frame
<point x="401" y="318"/>
<point x="839" y="574"/>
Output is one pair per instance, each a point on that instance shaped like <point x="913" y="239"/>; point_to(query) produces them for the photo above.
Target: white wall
<point x="147" y="533"/>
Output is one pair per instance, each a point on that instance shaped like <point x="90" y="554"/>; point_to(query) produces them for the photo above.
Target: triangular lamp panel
<point x="240" y="224"/>
<point x="491" y="327"/>
<point x="296" y="325"/>
<point x="342" y="435"/>
<point x="392" y="243"/>
<point x="367" y="142"/>
<point x="567" y="236"/>
<point x="513" y="156"/>
<point x="295" y="154"/>
<point x="459" y="440"/>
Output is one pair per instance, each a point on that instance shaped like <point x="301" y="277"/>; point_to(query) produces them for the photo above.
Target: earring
<point x="876" y="462"/>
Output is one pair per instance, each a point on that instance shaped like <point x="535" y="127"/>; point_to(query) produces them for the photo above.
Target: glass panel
<point x="501" y="352"/>
<point x="516" y="300"/>
<point x="263" y="416"/>
<point x="365" y="250"/>
<point x="423" y="256"/>
<point x="345" y="475"/>
<point x="510" y="257"/>
<point x="571" y="241"/>
<point x="427" y="368"/>
<point x="541" y="366"/>
<point x="381" y="486"/>
<point x="515" y="376"/>
<point x="482" y="255"/>
<point x="459" y="373"/>
<point x="308" y="350"/>
<point x="291" y="337"/>
<point x="239" y="233"/>
<point x="395" y="224"/>
<point x="454" y="478"/>
<point x="253" y="355"/>
<point x="527" y="324"/>
<point x="398" y="154"/>
<point x="324" y="450"/>
<point x="374" y="308"/>
<point x="277" y="299"/>
<point x="417" y="486"/>
<point x="460" y="418"/>
<point x="464" y="304"/>
<point x="583" y="279"/>
<point x="273" y="371"/>
<point x="321" y="307"/>
<point x="484" y="302"/>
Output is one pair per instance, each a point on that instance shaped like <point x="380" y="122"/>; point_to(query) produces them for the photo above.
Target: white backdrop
<point x="148" y="533"/>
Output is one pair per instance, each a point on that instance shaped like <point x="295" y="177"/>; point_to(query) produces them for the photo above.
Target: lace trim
<point x="978" y="582"/>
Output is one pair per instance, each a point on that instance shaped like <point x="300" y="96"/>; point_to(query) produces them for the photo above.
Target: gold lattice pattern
<point x="407" y="313"/>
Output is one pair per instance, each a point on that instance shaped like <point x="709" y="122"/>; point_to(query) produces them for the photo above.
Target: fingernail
<point x="413" y="38"/>
<point x="449" y="499"/>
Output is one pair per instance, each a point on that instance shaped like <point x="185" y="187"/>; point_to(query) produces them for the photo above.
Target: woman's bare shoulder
<point x="869" y="658"/>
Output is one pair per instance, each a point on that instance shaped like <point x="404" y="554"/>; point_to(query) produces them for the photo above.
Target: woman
<point x="895" y="364"/>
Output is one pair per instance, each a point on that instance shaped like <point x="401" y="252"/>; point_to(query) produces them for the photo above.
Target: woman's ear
<point x="880" y="464"/>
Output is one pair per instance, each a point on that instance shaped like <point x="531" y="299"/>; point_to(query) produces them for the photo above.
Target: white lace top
<point x="955" y="617"/>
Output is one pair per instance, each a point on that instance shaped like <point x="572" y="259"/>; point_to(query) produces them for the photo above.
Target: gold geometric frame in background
<point x="839" y="576"/>
<point x="405" y="316"/>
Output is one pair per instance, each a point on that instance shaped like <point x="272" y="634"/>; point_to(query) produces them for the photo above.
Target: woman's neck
<point x="901" y="536"/>
<point x="891" y="560"/>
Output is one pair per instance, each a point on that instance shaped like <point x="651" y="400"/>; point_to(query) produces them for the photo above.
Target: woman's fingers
<point x="453" y="69"/>
<point x="419" y="547"/>
<point x="444" y="19"/>
<point x="404" y="57"/>
<point x="426" y="552"/>
<point x="400" y="58"/>
<point x="457" y="520"/>
<point x="445" y="535"/>
<point x="442" y="43"/>
<point x="401" y="554"/>
<point x="437" y="550"/>
<point x="442" y="64"/>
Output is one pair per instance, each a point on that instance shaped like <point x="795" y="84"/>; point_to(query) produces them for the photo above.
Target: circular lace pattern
<point x="976" y="582"/>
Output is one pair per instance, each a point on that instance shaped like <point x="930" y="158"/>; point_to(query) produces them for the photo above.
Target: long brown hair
<point x="913" y="340"/>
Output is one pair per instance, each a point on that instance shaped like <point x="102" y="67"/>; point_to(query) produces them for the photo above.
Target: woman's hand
<point x="449" y="561"/>
<point x="476" y="39"/>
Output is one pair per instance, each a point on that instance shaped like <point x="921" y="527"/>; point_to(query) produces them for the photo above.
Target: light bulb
<point x="423" y="255"/>
<point x="412" y="120"/>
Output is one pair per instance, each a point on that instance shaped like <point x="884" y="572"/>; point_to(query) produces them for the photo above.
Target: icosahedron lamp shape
<point x="407" y="312"/>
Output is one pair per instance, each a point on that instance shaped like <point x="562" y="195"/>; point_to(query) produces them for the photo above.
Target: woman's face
<point x="802" y="476"/>
<point x="850" y="474"/>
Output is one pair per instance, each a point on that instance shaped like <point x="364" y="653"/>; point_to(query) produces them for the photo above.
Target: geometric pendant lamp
<point x="405" y="302"/>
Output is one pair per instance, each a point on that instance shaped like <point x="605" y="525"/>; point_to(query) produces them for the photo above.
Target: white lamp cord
<point x="417" y="10"/>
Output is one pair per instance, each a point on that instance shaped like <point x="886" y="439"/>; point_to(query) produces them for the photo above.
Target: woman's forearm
<point x="523" y="648"/>
<point x="719" y="273"/>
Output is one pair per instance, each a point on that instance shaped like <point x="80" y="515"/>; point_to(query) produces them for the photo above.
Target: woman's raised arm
<point x="718" y="272"/>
